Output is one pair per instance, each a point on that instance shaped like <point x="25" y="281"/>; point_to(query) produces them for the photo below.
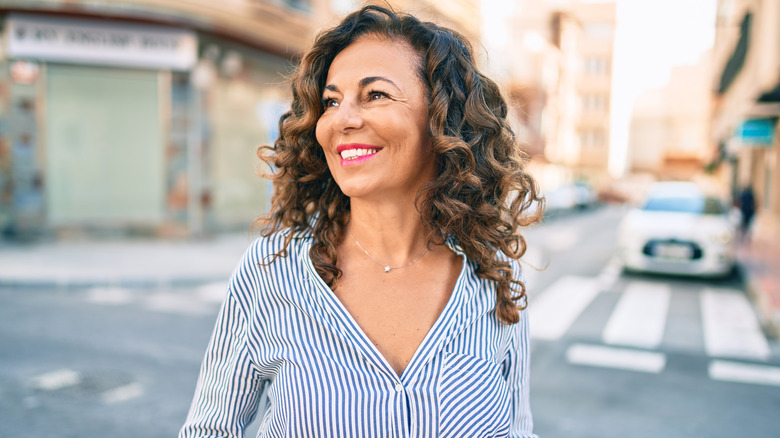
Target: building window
<point x="592" y="138"/>
<point x="594" y="103"/>
<point x="595" y="65"/>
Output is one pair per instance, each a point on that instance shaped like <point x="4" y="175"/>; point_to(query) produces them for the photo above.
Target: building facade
<point x="594" y="85"/>
<point x="556" y="65"/>
<point x="669" y="132"/>
<point x="747" y="105"/>
<point x="141" y="117"/>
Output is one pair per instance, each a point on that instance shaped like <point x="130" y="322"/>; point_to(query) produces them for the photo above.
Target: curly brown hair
<point x="481" y="193"/>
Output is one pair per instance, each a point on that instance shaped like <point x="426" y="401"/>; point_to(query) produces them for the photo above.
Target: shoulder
<point x="270" y="263"/>
<point x="454" y="245"/>
<point x="281" y="244"/>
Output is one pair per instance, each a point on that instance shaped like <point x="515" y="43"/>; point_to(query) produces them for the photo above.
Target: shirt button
<point x="399" y="387"/>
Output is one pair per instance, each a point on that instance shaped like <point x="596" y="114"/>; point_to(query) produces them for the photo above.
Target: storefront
<point x="113" y="127"/>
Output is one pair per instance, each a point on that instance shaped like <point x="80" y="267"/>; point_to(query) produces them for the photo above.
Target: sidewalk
<point x="759" y="262"/>
<point x="130" y="263"/>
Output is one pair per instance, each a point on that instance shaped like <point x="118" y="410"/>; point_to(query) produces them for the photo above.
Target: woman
<point x="383" y="300"/>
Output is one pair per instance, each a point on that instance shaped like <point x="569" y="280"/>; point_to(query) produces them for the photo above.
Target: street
<point x="101" y="362"/>
<point x="631" y="355"/>
<point x="613" y="354"/>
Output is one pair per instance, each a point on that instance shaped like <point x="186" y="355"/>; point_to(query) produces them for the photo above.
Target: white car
<point x="679" y="230"/>
<point x="570" y="197"/>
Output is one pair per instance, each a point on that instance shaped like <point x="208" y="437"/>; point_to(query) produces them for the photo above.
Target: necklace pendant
<point x="387" y="268"/>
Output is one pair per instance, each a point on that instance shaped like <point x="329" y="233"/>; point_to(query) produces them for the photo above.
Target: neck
<point x="392" y="233"/>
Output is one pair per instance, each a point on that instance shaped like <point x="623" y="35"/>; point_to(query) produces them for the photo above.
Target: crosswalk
<point x="199" y="300"/>
<point x="112" y="390"/>
<point x="730" y="326"/>
<point x="553" y="312"/>
<point x="635" y="330"/>
<point x="638" y="319"/>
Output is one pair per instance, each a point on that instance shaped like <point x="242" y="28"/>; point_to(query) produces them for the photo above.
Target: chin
<point x="358" y="187"/>
<point x="358" y="193"/>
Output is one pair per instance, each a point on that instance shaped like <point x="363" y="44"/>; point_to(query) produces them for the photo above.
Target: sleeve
<point x="518" y="359"/>
<point x="517" y="366"/>
<point x="228" y="389"/>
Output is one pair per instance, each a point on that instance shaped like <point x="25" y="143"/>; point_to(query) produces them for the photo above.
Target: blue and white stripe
<point x="283" y="340"/>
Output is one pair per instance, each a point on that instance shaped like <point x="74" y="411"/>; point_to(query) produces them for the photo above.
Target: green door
<point x="104" y="147"/>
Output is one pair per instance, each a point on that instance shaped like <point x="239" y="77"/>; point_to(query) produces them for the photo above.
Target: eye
<point x="328" y="102"/>
<point x="376" y="95"/>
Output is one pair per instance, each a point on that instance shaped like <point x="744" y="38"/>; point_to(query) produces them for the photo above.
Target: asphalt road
<point x="641" y="355"/>
<point x="100" y="362"/>
<point x="123" y="362"/>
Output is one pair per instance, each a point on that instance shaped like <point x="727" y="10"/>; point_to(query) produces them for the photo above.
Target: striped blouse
<point x="283" y="341"/>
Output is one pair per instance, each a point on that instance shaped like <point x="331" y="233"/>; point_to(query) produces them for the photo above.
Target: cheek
<point x="319" y="133"/>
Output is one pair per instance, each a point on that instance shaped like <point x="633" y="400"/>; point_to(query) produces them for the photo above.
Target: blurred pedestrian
<point x="747" y="207"/>
<point x="385" y="298"/>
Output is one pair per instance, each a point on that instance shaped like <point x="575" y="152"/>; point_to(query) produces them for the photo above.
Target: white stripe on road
<point x="731" y="328"/>
<point x="620" y="358"/>
<point x="640" y="316"/>
<point x="212" y="292"/>
<point x="554" y="311"/>
<point x="109" y="295"/>
<point x="123" y="393"/>
<point x="610" y="274"/>
<point x="744" y="373"/>
<point x="178" y="303"/>
<point x="56" y="380"/>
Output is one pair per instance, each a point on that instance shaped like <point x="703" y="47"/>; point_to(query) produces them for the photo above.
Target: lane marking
<point x="619" y="358"/>
<point x="178" y="303"/>
<point x="744" y="373"/>
<point x="56" y="380"/>
<point x="123" y="393"/>
<point x="639" y="318"/>
<point x="212" y="292"/>
<point x="109" y="295"/>
<point x="731" y="328"/>
<point x="610" y="274"/>
<point x="555" y="309"/>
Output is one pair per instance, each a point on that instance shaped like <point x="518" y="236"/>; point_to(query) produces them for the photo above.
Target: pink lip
<point x="344" y="147"/>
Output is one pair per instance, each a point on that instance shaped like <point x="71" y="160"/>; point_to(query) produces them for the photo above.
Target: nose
<point x="348" y="117"/>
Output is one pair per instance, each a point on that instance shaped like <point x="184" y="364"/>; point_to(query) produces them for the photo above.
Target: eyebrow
<point x="364" y="82"/>
<point x="372" y="79"/>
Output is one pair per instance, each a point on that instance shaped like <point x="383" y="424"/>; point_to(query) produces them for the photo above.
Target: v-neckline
<point x="448" y="316"/>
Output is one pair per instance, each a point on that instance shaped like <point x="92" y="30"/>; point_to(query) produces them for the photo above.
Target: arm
<point x="517" y="369"/>
<point x="227" y="392"/>
<point x="516" y="366"/>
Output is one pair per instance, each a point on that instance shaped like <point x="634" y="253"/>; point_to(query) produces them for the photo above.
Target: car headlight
<point x="723" y="236"/>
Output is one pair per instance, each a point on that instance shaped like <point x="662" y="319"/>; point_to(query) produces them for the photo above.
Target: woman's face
<point x="374" y="128"/>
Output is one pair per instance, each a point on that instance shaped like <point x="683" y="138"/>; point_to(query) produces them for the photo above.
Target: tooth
<point x="355" y="153"/>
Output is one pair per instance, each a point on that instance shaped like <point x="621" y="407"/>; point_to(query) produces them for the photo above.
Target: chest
<point x="322" y="387"/>
<point x="325" y="377"/>
<point x="397" y="310"/>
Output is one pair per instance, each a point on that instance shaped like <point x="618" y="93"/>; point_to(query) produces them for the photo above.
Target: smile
<point x="352" y="154"/>
<point x="356" y="153"/>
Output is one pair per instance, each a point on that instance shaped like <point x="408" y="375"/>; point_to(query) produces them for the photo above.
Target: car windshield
<point x="696" y="205"/>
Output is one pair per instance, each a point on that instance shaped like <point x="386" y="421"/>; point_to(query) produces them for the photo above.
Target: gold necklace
<point x="387" y="268"/>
